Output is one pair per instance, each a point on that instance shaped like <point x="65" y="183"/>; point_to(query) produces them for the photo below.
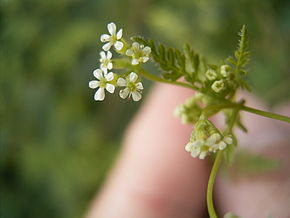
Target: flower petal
<point x="139" y="86"/>
<point x="222" y="145"/>
<point x="202" y="155"/>
<point x="145" y="59"/>
<point x="135" y="45"/>
<point x="147" y="50"/>
<point x="195" y="152"/>
<point x="98" y="74"/>
<point x="94" y="84"/>
<point x="188" y="147"/>
<point x="118" y="45"/>
<point x="109" y="76"/>
<point x="110" y="66"/>
<point x="107" y="46"/>
<point x="109" y="55"/>
<point x="121" y="82"/>
<point x="136" y="96"/>
<point x="120" y="34"/>
<point x="124" y="93"/>
<point x="105" y="38"/>
<point x="110" y="88"/>
<point x="112" y="28"/>
<point x="228" y="140"/>
<point x="135" y="61"/>
<point x="129" y="52"/>
<point x="100" y="94"/>
<point x="133" y="77"/>
<point x="103" y="67"/>
<point x="103" y="55"/>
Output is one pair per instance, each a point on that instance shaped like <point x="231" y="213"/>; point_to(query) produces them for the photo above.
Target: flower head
<point x="113" y="38"/>
<point x="102" y="83"/>
<point x="139" y="53"/>
<point x="206" y="139"/>
<point x="211" y="74"/>
<point x="133" y="87"/>
<point x="218" y="86"/>
<point x="106" y="62"/>
<point x="225" y="70"/>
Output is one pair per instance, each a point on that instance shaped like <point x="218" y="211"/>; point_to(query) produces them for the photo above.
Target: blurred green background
<point x="57" y="144"/>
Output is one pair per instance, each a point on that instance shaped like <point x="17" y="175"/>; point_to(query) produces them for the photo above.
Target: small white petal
<point x="112" y="28"/>
<point x="147" y="50"/>
<point x="103" y="55"/>
<point x="188" y="147"/>
<point x="110" y="66"/>
<point x="121" y="82"/>
<point x="105" y="38"/>
<point x="145" y="59"/>
<point x="133" y="77"/>
<point x="120" y="34"/>
<point x="139" y="86"/>
<point x="103" y="66"/>
<point x="196" y="143"/>
<point x="136" y="96"/>
<point x="98" y="74"/>
<point x="110" y="88"/>
<point x="213" y="139"/>
<point x="135" y="61"/>
<point x="129" y="52"/>
<point x="228" y="140"/>
<point x="94" y="84"/>
<point x="202" y="155"/>
<point x="109" y="55"/>
<point x="118" y="45"/>
<point x="222" y="145"/>
<point x="109" y="76"/>
<point x="135" y="45"/>
<point x="124" y="93"/>
<point x="107" y="46"/>
<point x="195" y="152"/>
<point x="100" y="94"/>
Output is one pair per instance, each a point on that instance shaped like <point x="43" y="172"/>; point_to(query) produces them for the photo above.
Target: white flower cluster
<point x="206" y="139"/>
<point x="109" y="80"/>
<point x="218" y="78"/>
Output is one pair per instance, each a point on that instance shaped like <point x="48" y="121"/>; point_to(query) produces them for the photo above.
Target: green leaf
<point x="172" y="62"/>
<point x="240" y="59"/>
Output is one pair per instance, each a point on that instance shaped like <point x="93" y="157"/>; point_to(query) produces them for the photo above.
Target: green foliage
<point x="241" y="58"/>
<point x="172" y="61"/>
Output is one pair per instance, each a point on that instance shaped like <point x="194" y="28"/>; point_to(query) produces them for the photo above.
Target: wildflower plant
<point x="215" y="87"/>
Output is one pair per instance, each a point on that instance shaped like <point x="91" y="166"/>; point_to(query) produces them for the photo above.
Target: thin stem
<point x="158" y="79"/>
<point x="209" y="196"/>
<point x="266" y="114"/>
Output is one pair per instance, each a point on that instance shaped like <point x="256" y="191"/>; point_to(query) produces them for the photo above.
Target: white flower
<point x="102" y="84"/>
<point x="225" y="70"/>
<point x="139" y="53"/>
<point x="133" y="87"/>
<point x="106" y="62"/>
<point x="211" y="74"/>
<point x="218" y="86"/>
<point x="113" y="38"/>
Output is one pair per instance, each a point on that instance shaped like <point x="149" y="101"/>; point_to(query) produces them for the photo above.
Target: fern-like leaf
<point x="241" y="58"/>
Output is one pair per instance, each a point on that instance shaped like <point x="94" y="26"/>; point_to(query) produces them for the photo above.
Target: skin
<point x="155" y="178"/>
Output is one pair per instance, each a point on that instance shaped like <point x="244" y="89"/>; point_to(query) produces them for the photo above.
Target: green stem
<point x="266" y="114"/>
<point x="158" y="79"/>
<point x="209" y="196"/>
<point x="228" y="104"/>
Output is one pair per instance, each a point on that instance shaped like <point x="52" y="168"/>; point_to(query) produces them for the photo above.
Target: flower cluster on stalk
<point x="107" y="78"/>
<point x="206" y="139"/>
